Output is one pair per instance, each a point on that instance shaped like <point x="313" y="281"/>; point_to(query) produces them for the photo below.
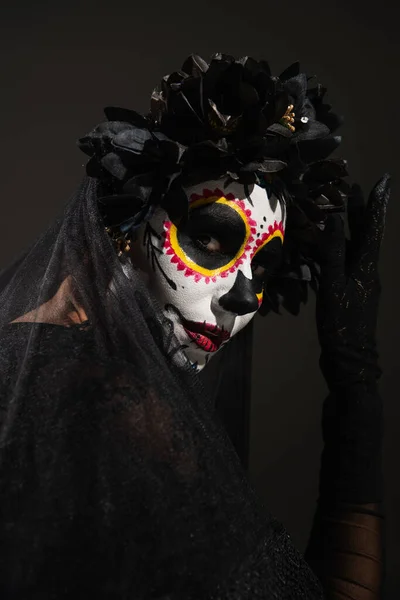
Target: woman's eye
<point x="258" y="270"/>
<point x="209" y="243"/>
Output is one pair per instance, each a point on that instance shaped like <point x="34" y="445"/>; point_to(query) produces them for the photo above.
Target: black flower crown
<point x="227" y="118"/>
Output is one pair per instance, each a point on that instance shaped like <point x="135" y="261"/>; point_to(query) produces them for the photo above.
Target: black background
<point x="62" y="62"/>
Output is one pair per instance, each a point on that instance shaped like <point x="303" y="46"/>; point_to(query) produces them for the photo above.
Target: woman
<point x="118" y="479"/>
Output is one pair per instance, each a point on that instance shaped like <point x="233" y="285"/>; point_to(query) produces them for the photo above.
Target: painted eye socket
<point x="212" y="239"/>
<point x="268" y="262"/>
<point x="258" y="271"/>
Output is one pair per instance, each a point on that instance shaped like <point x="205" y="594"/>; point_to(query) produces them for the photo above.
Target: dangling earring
<point x="124" y="246"/>
<point x="122" y="242"/>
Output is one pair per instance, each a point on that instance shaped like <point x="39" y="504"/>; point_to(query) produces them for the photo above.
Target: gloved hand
<point x="349" y="290"/>
<point x="347" y="311"/>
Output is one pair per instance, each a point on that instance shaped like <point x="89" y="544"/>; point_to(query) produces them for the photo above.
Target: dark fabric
<point x="117" y="477"/>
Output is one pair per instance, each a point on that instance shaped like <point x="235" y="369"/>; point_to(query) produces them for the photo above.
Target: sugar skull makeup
<point x="209" y="273"/>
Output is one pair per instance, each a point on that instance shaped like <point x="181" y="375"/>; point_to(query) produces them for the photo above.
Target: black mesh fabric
<point x="117" y="477"/>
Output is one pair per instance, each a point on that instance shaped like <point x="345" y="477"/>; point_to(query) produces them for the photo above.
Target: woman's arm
<point x="346" y="543"/>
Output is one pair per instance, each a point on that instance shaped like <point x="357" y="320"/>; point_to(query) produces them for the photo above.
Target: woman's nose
<point x="241" y="298"/>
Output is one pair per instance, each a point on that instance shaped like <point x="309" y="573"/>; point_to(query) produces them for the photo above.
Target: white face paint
<point x="208" y="274"/>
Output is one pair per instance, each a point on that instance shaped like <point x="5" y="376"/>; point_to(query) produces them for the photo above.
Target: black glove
<point x="347" y="310"/>
<point x="349" y="290"/>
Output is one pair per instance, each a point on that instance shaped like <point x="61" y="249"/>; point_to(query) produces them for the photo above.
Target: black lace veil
<point x="118" y="477"/>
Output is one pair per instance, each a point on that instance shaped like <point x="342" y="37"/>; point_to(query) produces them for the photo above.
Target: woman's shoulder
<point x="18" y="331"/>
<point x="35" y="342"/>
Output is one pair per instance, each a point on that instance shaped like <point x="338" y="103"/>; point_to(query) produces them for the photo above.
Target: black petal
<point x="119" y="208"/>
<point x="296" y="87"/>
<point x="94" y="168"/>
<point x="330" y="199"/>
<point x="326" y="170"/>
<point x="318" y="149"/>
<point x="132" y="140"/>
<point x="266" y="166"/>
<point x="98" y="140"/>
<point x="292" y="71"/>
<point x="114" y="113"/>
<point x="194" y="65"/>
<point x="271" y="299"/>
<point x="312" y="130"/>
<point x="112" y="163"/>
<point x="176" y="203"/>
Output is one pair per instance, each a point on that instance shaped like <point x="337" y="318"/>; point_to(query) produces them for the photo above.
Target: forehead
<point x="238" y="196"/>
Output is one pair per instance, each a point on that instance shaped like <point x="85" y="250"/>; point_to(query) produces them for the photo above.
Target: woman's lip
<point x="208" y="337"/>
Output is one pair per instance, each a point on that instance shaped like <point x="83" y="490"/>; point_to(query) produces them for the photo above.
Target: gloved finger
<point x="374" y="224"/>
<point x="356" y="209"/>
<point x="332" y="250"/>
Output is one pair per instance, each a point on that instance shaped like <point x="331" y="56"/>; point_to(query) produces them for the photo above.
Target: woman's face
<point x="209" y="273"/>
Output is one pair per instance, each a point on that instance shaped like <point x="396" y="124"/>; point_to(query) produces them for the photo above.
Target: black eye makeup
<point x="258" y="271"/>
<point x="268" y="261"/>
<point x="213" y="235"/>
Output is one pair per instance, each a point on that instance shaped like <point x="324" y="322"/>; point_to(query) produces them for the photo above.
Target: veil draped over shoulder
<point x="118" y="478"/>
